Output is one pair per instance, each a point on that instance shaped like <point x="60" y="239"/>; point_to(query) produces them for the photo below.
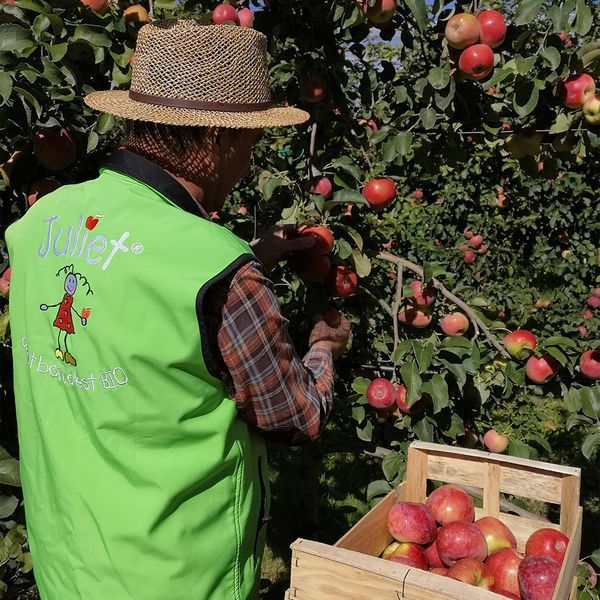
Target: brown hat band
<point x="200" y="104"/>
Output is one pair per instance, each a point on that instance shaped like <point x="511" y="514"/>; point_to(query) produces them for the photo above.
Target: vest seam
<point x="236" y="525"/>
<point x="210" y="361"/>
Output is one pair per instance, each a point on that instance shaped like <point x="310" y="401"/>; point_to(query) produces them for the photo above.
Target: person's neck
<point x="195" y="191"/>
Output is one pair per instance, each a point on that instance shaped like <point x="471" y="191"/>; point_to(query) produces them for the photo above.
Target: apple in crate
<point x="398" y="551"/>
<point x="497" y="534"/>
<point x="411" y="522"/>
<point x="433" y="556"/>
<point x="538" y="576"/>
<point x="450" y="503"/>
<point x="547" y="542"/>
<point x="473" y="572"/>
<point x="461" y="540"/>
<point x="504" y="566"/>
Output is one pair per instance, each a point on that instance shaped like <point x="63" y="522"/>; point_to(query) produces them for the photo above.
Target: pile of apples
<point x="225" y="14"/>
<point x="473" y="246"/>
<point x="442" y="536"/>
<point x="579" y="92"/>
<point x="475" y="36"/>
<point x="383" y="395"/>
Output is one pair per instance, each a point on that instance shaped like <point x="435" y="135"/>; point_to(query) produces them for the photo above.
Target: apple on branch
<point x="462" y="30"/>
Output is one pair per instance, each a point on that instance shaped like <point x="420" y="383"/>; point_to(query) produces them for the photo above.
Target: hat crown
<point x="187" y="60"/>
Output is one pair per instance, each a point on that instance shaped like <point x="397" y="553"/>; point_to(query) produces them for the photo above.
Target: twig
<point x="311" y="149"/>
<point x="396" y="306"/>
<point x="439" y="286"/>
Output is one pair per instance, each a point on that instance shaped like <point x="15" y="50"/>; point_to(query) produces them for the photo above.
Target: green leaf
<point x="365" y="433"/>
<point x="91" y="35"/>
<point x="519" y="448"/>
<point x="424" y="430"/>
<point x="499" y="76"/>
<point x="552" y="56"/>
<point x="558" y="355"/>
<point x="392" y="464"/>
<point x="596" y="557"/>
<point x="590" y="403"/>
<point x="6" y="85"/>
<point x="356" y="237"/>
<point x="572" y="400"/>
<point x="362" y="263"/>
<point x="439" y="77"/>
<point x="92" y="141"/>
<point x="360" y="385"/>
<point x="57" y="51"/>
<point x="590" y="443"/>
<point x="574" y="420"/>
<point x="389" y="150"/>
<point x="562" y="123"/>
<point x="8" y="505"/>
<point x="557" y="340"/>
<point x="411" y="378"/>
<point x="346" y="197"/>
<point x="14" y="38"/>
<point x="9" y="472"/>
<point x="105" y="123"/>
<point x="439" y="393"/>
<point x="527" y="11"/>
<point x="359" y="413"/>
<point x="423" y="354"/>
<point x="404" y="143"/>
<point x="378" y="488"/>
<point x="401" y="351"/>
<point x="524" y="65"/>
<point x="526" y="96"/>
<point x="419" y="10"/>
<point x="459" y="371"/>
<point x="584" y="20"/>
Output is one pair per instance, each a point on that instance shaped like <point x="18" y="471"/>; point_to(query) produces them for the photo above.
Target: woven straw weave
<point x="187" y="60"/>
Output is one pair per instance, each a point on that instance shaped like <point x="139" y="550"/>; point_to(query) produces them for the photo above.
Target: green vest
<point x="141" y="482"/>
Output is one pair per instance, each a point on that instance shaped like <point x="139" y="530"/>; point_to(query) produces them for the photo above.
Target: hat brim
<point x="118" y="103"/>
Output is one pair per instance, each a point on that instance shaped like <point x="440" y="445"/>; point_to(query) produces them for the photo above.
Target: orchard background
<point x="501" y="157"/>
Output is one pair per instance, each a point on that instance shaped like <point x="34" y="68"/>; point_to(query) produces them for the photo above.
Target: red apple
<point x="314" y="268"/>
<point x="449" y="504"/>
<point x="4" y="285"/>
<point x="520" y="343"/>
<point x="433" y="556"/>
<point x="54" y="148"/>
<point x="454" y="324"/>
<point x="547" y="542"/>
<point x="136" y="14"/>
<point x="504" y="566"/>
<point x="245" y="17"/>
<point x="495" y="442"/>
<point x="582" y="329"/>
<point x="418" y="194"/>
<point x="332" y="317"/>
<point x="381" y="12"/>
<point x="576" y="90"/>
<point x="413" y="552"/>
<point x="497" y="534"/>
<point x="225" y="13"/>
<point x="381" y="393"/>
<point x="538" y="576"/>
<point x="443" y="571"/>
<point x="460" y="540"/>
<point x="476" y="61"/>
<point x="504" y="593"/>
<point x="462" y="30"/>
<point x="411" y="522"/>
<point x="595" y="292"/>
<point x="492" y="28"/>
<point x="587" y="314"/>
<point x="473" y="572"/>
<point x="313" y="88"/>
<point x="379" y="193"/>
<point x="6" y="274"/>
<point x="96" y="5"/>
<point x="468" y="234"/>
<point x="342" y="281"/>
<point x="417" y="407"/>
<point x="470" y="257"/>
<point x="589" y="363"/>
<point x="414" y="317"/>
<point x="323" y="186"/>
<point x="423" y="296"/>
<point x="541" y="369"/>
<point x="593" y="301"/>
<point x="475" y="241"/>
<point x="323" y="239"/>
<point x="40" y="188"/>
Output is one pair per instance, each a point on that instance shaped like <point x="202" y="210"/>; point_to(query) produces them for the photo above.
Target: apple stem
<point x="396" y="260"/>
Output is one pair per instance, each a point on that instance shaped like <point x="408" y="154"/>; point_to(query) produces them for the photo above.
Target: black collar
<point x="132" y="164"/>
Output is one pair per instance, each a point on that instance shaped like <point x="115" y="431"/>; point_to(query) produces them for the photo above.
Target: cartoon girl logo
<point x="64" y="318"/>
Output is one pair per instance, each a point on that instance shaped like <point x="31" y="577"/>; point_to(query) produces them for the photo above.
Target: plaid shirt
<point x="287" y="398"/>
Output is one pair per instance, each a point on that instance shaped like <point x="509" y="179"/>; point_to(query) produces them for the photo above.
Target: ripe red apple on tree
<point x="414" y="317"/>
<point x="245" y="17"/>
<point x="460" y="540"/>
<point x="473" y="572"/>
<point x="504" y="566"/>
<point x="454" y="324"/>
<point x="492" y="28"/>
<point x="547" y="542"/>
<point x="589" y="363"/>
<point x="411" y="522"/>
<point x="413" y="552"/>
<point x="342" y="281"/>
<point x="323" y="186"/>
<point x="495" y="442"/>
<point x="417" y="407"/>
<point x="593" y="301"/>
<point x="225" y="13"/>
<point x="313" y="88"/>
<point x="475" y="241"/>
<point x="538" y="576"/>
<point x="497" y="534"/>
<point x="381" y="393"/>
<point x="323" y="237"/>
<point x="54" y="148"/>
<point x="96" y="5"/>
<point x="380" y="192"/>
<point x="462" y="30"/>
<point x="381" y="12"/>
<point x="476" y="62"/>
<point x="314" y="268"/>
<point x="519" y="343"/>
<point x="423" y="295"/>
<point x="470" y="257"/>
<point x="449" y="503"/>
<point x="576" y="90"/>
<point x="541" y="369"/>
<point x="418" y="194"/>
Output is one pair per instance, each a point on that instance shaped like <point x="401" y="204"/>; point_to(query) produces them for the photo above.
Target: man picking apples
<point x="143" y="465"/>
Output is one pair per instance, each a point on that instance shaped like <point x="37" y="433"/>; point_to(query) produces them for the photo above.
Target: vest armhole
<point x="207" y="353"/>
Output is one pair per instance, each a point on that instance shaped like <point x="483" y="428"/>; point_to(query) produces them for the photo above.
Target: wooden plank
<point x="573" y="595"/>
<point x="326" y="573"/>
<point x="569" y="503"/>
<point x="491" y="490"/>
<point x="370" y="535"/>
<point x="569" y="566"/>
<point x="416" y="476"/>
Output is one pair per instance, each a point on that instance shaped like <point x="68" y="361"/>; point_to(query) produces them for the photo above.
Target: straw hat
<point x="188" y="73"/>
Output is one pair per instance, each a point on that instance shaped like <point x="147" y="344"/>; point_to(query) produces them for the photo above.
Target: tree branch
<point x="445" y="292"/>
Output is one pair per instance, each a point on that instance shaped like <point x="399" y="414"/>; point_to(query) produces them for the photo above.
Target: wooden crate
<point x="352" y="570"/>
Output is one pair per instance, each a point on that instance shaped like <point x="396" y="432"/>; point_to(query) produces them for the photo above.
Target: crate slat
<point x="569" y="566"/>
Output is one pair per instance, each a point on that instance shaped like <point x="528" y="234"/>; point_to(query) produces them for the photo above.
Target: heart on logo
<point x="91" y="222"/>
